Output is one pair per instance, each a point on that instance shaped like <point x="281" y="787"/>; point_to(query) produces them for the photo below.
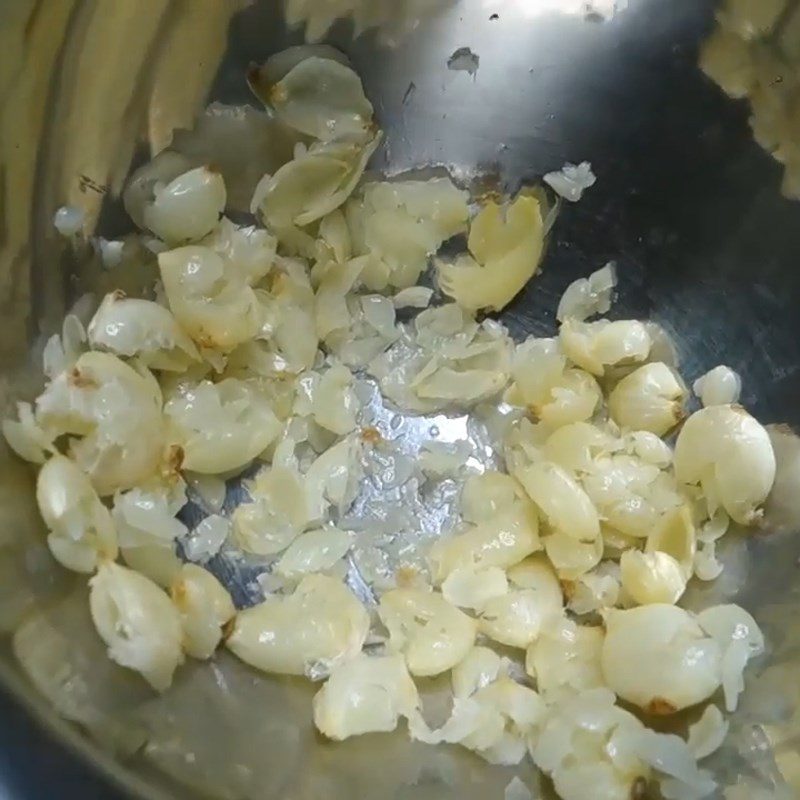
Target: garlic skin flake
<point x="138" y="623"/>
<point x="321" y="621"/>
<point x="506" y="247"/>
<point x="82" y="533"/>
<point x="205" y="607"/>
<point x="730" y="455"/>
<point x="708" y="733"/>
<point x="188" y="207"/>
<point x="659" y="658"/>
<point x="367" y="694"/>
<point x="432" y="634"/>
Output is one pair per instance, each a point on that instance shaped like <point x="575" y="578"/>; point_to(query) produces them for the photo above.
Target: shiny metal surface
<point x="686" y="204"/>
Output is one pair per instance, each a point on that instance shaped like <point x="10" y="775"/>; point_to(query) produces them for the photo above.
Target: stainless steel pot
<point x="686" y="203"/>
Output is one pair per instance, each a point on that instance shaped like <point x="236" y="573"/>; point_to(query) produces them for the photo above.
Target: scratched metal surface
<point x="686" y="204"/>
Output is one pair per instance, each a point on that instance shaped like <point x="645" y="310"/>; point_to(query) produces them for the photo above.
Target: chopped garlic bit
<point x="315" y="551"/>
<point x="321" y="621"/>
<point x="138" y="623"/>
<point x="708" y="733"/>
<point x="367" y="694"/>
<point x="69" y="220"/>
<point x="318" y="97"/>
<point x="188" y="207"/>
<point x="506" y="246"/>
<point x="659" y="657"/>
<point x="204" y="606"/>
<point x="729" y="454"/>
<point x="413" y="297"/>
<point x="593" y="346"/>
<point x="649" y="399"/>
<point x="432" y="634"/>
<point x="467" y="587"/>
<point x="82" y="533"/>
<point x="571" y="181"/>
<point x="587" y="297"/>
<point x="720" y="386"/>
<point x="206" y="540"/>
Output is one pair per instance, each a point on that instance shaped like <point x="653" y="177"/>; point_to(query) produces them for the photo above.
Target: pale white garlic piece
<point x="676" y="536"/>
<point x="479" y="668"/>
<point x="708" y="733"/>
<point x="313" y="183"/>
<point x="649" y="448"/>
<point x="205" y="607"/>
<point x="331" y="310"/>
<point x="400" y="224"/>
<point x="431" y="633"/>
<point x="516" y="618"/>
<point x="207" y="490"/>
<point x="319" y="97"/>
<point x="570" y="557"/>
<point x="588" y="747"/>
<point x="82" y="533"/>
<point x="138" y="623"/>
<point x="213" y="304"/>
<point x="652" y="577"/>
<point x="571" y="180"/>
<point x="367" y="694"/>
<point x="587" y="297"/>
<point x="413" y="297"/>
<point x="486" y="494"/>
<point x="221" y="426"/>
<point x="146" y="513"/>
<point x="565" y="658"/>
<point x="248" y="251"/>
<point x="506" y="245"/>
<point x="333" y="479"/>
<point x="739" y="638"/>
<point x="498" y="542"/>
<point x="117" y="411"/>
<point x="629" y="494"/>
<point x="729" y="454"/>
<point x="561" y="499"/>
<point x="720" y="386"/>
<point x="594" y="591"/>
<point x="315" y="551"/>
<point x="334" y="237"/>
<point x="132" y="327"/>
<point x="329" y="398"/>
<point x="205" y="540"/>
<point x="61" y="352"/>
<point x="188" y="207"/>
<point x="649" y="399"/>
<point x="659" y="658"/>
<point x="472" y="588"/>
<point x="26" y="438"/>
<point x="575" y="447"/>
<point x="155" y="560"/>
<point x="707" y="567"/>
<point x="322" y="621"/>
<point x="279" y="512"/>
<point x="495" y="721"/>
<point x="593" y="346"/>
